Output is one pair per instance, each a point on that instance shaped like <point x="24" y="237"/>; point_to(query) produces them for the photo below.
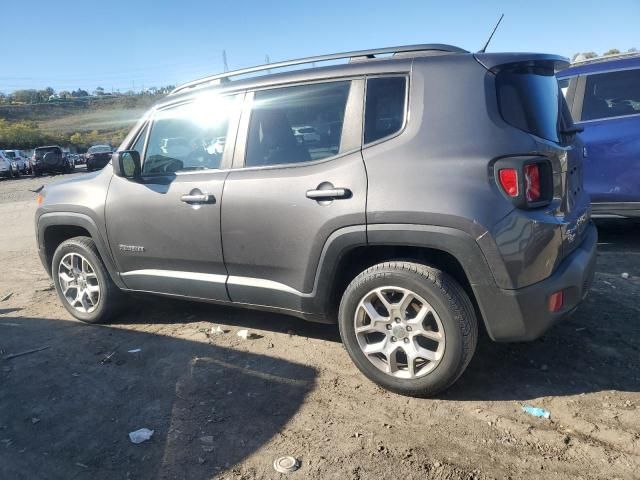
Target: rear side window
<point x="296" y="124"/>
<point x="190" y="136"/>
<point x="530" y="99"/>
<point x="385" y="107"/>
<point x="612" y="94"/>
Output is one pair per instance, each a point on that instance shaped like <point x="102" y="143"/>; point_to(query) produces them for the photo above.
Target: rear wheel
<point x="83" y="283"/>
<point x="408" y="327"/>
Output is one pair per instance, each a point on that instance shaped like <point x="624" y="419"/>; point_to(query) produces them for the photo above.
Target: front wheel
<point x="83" y="283"/>
<point x="408" y="327"/>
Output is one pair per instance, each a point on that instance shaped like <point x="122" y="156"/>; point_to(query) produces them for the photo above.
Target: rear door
<point x="164" y="230"/>
<point x="290" y="192"/>
<point x="608" y="108"/>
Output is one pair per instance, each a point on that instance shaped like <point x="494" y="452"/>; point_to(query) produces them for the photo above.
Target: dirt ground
<point x="224" y="407"/>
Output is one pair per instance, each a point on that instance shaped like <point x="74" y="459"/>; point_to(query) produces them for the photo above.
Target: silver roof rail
<point x="222" y="77"/>
<point x="604" y="58"/>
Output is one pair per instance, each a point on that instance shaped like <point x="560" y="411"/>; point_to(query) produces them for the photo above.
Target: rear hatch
<point x="530" y="99"/>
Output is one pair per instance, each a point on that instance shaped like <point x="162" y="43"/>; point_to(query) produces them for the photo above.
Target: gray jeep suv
<point x="444" y="191"/>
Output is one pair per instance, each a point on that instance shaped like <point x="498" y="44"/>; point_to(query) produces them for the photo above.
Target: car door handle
<point x="198" y="198"/>
<point x="329" y="193"/>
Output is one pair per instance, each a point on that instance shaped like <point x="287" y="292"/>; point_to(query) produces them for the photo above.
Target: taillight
<point x="509" y="181"/>
<point x="526" y="181"/>
<point x="531" y="182"/>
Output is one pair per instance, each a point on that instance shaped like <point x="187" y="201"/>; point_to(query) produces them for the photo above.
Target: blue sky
<point x="124" y="44"/>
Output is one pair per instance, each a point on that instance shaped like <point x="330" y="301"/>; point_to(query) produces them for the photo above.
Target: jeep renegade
<point x="443" y="190"/>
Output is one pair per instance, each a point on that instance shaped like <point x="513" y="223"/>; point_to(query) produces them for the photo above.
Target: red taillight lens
<point x="532" y="182"/>
<point x="509" y="181"/>
<point x="556" y="301"/>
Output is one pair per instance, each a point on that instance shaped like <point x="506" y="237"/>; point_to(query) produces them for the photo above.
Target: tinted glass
<point x="385" y="108"/>
<point x="529" y="99"/>
<point x="10" y="154"/>
<point x="41" y="152"/>
<point x="100" y="149"/>
<point x="296" y="124"/>
<point x="613" y="94"/>
<point x="189" y="136"/>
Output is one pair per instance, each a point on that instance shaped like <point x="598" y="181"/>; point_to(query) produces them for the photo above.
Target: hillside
<point x="75" y="123"/>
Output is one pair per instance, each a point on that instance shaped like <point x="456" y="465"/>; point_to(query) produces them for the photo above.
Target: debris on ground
<point x="536" y="412"/>
<point x="217" y="330"/>
<point x="207" y="443"/>
<point x="625" y="275"/>
<point x="26" y="352"/>
<point x="244" y="333"/>
<point x="141" y="435"/>
<point x="286" y="464"/>
<point x="35" y="420"/>
<point x="6" y="297"/>
<point x="135" y="350"/>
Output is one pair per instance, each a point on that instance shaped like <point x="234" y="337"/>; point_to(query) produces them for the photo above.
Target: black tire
<point x="111" y="298"/>
<point x="452" y="305"/>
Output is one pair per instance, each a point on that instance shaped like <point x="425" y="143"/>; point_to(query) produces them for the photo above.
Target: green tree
<point x="611" y="51"/>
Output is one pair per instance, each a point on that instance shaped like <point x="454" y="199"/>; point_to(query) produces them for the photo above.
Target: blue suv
<point x="604" y="97"/>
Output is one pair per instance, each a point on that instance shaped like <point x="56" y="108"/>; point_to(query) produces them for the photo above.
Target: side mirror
<point x="126" y="164"/>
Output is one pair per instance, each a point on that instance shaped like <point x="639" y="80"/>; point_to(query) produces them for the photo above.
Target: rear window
<point x="41" y="152"/>
<point x="100" y="149"/>
<point x="10" y="154"/>
<point x="529" y="98"/>
<point x="612" y="94"/>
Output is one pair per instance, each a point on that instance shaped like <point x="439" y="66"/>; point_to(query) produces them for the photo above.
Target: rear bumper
<point x="523" y="314"/>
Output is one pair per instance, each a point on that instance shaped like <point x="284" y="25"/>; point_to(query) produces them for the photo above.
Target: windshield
<point x="100" y="149"/>
<point x="529" y="99"/>
<point x="10" y="154"/>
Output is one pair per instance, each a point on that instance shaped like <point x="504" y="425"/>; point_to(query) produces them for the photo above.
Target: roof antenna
<point x="484" y="49"/>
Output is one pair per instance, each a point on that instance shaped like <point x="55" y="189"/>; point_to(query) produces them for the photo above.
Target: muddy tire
<point x="408" y="327"/>
<point x="83" y="283"/>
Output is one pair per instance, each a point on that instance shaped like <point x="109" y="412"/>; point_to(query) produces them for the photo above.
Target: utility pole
<point x="224" y="60"/>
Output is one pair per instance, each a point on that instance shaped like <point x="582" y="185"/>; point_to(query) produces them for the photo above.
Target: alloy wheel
<point x="79" y="283"/>
<point x="399" y="332"/>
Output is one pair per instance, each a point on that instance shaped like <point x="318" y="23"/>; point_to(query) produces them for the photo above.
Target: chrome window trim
<point x="604" y="119"/>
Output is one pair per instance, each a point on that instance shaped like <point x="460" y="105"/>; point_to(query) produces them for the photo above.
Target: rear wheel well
<point x="56" y="234"/>
<point x="361" y="258"/>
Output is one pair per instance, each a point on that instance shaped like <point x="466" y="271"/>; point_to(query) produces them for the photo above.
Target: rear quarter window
<point x="385" y="107"/>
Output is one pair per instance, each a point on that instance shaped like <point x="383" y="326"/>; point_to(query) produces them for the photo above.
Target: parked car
<point x="8" y="168"/>
<point x="50" y="159"/>
<point x="604" y="97"/>
<point x="97" y="157"/>
<point x="406" y="232"/>
<point x="306" y="134"/>
<point x="20" y="161"/>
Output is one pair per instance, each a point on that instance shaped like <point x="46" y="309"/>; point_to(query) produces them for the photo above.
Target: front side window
<point x="612" y="94"/>
<point x="191" y="136"/>
<point x="385" y="107"/>
<point x="296" y="124"/>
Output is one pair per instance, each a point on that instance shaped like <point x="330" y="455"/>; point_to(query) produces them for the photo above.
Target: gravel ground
<point x="224" y="407"/>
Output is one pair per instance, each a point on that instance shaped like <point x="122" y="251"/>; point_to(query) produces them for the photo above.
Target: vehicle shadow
<point x="67" y="410"/>
<point x="157" y="309"/>
<point x="596" y="349"/>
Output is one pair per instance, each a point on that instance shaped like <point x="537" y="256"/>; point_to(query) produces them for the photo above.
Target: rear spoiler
<point x="493" y="61"/>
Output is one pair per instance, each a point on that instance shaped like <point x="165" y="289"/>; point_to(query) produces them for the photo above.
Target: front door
<point x="300" y="177"/>
<point x="610" y="117"/>
<point x="164" y="229"/>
